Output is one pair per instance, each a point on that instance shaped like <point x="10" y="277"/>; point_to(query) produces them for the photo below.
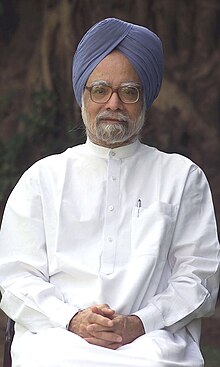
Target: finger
<point x="97" y="310"/>
<point x="91" y="328"/>
<point x="106" y="335"/>
<point x="108" y="312"/>
<point x="103" y="305"/>
<point x="97" y="328"/>
<point x="100" y="320"/>
<point x="102" y="343"/>
<point x="103" y="310"/>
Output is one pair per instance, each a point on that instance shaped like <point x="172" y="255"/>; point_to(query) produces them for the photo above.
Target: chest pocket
<point x="152" y="229"/>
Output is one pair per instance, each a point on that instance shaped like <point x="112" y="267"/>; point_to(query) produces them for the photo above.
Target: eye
<point x="129" y="94"/>
<point x="129" y="91"/>
<point x="99" y="90"/>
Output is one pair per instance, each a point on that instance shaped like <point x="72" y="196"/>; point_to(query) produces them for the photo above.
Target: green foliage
<point x="41" y="134"/>
<point x="211" y="356"/>
<point x="6" y="102"/>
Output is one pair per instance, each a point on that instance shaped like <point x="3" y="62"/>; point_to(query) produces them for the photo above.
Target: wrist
<point x="70" y="325"/>
<point x="136" y="325"/>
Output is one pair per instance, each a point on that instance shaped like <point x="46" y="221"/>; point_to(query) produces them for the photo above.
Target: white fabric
<point x="73" y="236"/>
<point x="56" y="347"/>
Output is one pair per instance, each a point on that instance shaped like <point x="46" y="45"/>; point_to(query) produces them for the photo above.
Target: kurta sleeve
<point x="28" y="297"/>
<point x="193" y="260"/>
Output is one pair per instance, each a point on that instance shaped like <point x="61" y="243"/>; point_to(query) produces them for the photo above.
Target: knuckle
<point x="90" y="317"/>
<point x="104" y="305"/>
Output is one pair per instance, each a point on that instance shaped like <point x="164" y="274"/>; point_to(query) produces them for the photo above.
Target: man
<point x="109" y="253"/>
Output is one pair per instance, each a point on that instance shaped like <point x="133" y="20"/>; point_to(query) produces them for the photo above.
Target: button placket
<point x="111" y="214"/>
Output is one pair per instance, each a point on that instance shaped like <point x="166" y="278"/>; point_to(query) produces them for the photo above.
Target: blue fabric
<point x="141" y="46"/>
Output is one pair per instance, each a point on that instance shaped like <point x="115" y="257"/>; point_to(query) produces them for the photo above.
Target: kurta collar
<point x="117" y="153"/>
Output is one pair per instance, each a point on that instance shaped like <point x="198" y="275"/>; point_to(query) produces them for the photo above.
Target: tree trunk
<point x="37" y="43"/>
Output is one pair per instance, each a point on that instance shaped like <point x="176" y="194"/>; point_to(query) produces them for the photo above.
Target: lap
<point x="57" y="347"/>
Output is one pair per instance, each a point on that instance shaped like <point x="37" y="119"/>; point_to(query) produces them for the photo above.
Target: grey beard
<point x="112" y="133"/>
<point x="121" y="132"/>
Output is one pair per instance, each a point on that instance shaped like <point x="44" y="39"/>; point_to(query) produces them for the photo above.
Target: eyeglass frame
<point x="137" y="86"/>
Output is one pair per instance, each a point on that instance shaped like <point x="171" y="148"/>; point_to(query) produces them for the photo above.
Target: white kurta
<point x="73" y="236"/>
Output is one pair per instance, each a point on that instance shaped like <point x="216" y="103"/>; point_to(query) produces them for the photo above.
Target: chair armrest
<point x="9" y="334"/>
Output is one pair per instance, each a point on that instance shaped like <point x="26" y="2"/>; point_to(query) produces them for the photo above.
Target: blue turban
<point x="141" y="46"/>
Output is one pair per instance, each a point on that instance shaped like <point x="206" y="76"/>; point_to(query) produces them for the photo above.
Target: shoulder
<point x="170" y="161"/>
<point x="55" y="162"/>
<point x="50" y="168"/>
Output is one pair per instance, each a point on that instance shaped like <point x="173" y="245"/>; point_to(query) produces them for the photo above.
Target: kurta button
<point x="111" y="208"/>
<point x="114" y="178"/>
<point x="112" y="153"/>
<point x="110" y="239"/>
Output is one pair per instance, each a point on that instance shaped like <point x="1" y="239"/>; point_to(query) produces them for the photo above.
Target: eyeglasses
<point x="101" y="93"/>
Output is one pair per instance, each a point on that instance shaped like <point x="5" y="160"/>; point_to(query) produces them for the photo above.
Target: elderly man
<point x="109" y="253"/>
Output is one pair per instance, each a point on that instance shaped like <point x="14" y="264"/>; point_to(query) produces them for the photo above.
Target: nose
<point x="114" y="103"/>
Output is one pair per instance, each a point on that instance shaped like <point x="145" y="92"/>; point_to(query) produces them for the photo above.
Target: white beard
<point x="112" y="133"/>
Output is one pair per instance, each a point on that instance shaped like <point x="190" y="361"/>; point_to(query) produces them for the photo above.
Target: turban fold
<point x="141" y="46"/>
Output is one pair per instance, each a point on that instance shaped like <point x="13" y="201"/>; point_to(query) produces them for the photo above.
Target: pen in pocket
<point x="138" y="207"/>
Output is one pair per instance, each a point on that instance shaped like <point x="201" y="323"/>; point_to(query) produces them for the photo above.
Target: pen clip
<point x="138" y="207"/>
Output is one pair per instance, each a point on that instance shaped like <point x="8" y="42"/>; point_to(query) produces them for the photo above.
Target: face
<point x="113" y="123"/>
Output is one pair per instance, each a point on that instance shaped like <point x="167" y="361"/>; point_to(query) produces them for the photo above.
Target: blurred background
<point x="38" y="113"/>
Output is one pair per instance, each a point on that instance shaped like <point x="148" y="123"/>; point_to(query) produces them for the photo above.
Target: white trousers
<point x="57" y="347"/>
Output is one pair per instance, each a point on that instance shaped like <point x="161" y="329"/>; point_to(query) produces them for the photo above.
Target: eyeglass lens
<point x="102" y="93"/>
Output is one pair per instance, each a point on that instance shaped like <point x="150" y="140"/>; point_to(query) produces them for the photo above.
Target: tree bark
<point x="38" y="40"/>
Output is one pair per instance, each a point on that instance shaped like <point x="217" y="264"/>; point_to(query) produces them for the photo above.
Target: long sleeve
<point x="193" y="261"/>
<point x="28" y="297"/>
<point x="62" y="248"/>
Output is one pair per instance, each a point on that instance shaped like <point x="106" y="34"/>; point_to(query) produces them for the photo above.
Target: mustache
<point x="104" y="115"/>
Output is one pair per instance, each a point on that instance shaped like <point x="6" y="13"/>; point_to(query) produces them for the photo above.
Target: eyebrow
<point x="125" y="84"/>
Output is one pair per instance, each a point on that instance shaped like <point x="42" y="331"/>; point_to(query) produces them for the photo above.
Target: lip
<point x="112" y="121"/>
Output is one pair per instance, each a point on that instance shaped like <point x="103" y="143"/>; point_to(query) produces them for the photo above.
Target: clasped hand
<point x="102" y="326"/>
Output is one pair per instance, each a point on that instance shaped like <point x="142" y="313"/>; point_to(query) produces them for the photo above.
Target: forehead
<point x="115" y="69"/>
